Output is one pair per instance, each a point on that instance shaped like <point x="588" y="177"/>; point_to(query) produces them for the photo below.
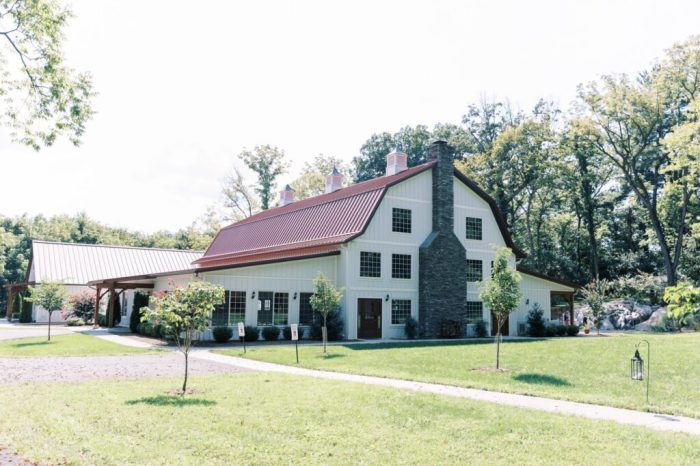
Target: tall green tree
<point x="312" y="180"/>
<point x="371" y="163"/>
<point x="501" y="294"/>
<point x="268" y="163"/>
<point x="43" y="99"/>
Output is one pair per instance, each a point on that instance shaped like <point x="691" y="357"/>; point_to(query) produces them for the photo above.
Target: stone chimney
<point x="396" y="162"/>
<point x="286" y="196"/>
<point x="442" y="259"/>
<point x="334" y="181"/>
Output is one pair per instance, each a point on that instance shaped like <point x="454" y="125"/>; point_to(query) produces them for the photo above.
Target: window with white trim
<point x="400" y="311"/>
<point x="370" y="264"/>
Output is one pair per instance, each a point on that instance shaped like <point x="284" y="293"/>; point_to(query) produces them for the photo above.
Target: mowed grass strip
<point x="75" y="344"/>
<point x="587" y="369"/>
<point x="257" y="418"/>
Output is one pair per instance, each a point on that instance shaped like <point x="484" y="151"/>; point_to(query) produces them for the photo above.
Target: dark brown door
<point x="504" y="329"/>
<point x="369" y="318"/>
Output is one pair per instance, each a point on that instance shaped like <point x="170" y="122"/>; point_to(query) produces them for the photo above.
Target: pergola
<point x="114" y="288"/>
<point x="12" y="290"/>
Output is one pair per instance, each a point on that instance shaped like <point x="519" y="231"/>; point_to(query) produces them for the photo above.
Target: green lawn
<point x="588" y="369"/>
<point x="256" y="418"/>
<point x="75" y="344"/>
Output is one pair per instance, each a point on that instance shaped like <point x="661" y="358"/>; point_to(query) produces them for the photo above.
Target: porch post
<point x="110" y="313"/>
<point x="10" y="299"/>
<point x="95" y="323"/>
<point x="571" y="307"/>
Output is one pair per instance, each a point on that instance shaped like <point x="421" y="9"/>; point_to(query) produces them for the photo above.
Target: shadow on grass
<point x="332" y="356"/>
<point x="541" y="379"/>
<point x="171" y="400"/>
<point x="419" y="344"/>
<point x="35" y="343"/>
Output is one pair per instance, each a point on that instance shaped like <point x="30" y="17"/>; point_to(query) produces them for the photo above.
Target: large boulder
<point x="654" y="320"/>
<point x="622" y="314"/>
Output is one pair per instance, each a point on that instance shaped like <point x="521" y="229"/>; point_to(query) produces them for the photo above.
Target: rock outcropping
<point x="627" y="314"/>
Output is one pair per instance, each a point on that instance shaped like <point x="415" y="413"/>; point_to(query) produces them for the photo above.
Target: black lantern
<point x="637" y="366"/>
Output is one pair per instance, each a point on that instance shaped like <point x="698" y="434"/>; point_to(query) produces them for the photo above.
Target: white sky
<point x="183" y="86"/>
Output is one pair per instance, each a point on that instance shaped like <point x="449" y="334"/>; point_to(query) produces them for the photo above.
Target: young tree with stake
<point x="49" y="295"/>
<point x="326" y="299"/>
<point x="501" y="294"/>
<point x="183" y="311"/>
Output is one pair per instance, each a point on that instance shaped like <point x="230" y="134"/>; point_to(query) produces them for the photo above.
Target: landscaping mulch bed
<point x="72" y="369"/>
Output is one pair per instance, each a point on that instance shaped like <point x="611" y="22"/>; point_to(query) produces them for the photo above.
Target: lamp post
<point x="637" y="365"/>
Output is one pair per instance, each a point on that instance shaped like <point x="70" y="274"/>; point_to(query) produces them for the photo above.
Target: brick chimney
<point x="334" y="181"/>
<point x="396" y="162"/>
<point x="286" y="196"/>
<point x="442" y="284"/>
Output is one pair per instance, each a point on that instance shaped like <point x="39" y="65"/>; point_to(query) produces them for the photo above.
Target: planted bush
<point x="222" y="334"/>
<point x="334" y="325"/>
<point x="560" y="330"/>
<point x="82" y="306"/>
<point x="480" y="329"/>
<point x="535" y="322"/>
<point x="271" y="333"/>
<point x="572" y="330"/>
<point x="251" y="333"/>
<point x="140" y="301"/>
<point x="73" y="322"/>
<point x="550" y="331"/>
<point x="411" y="328"/>
<point x="25" y="315"/>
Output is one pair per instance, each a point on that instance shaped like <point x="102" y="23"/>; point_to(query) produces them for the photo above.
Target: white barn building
<point x="415" y="242"/>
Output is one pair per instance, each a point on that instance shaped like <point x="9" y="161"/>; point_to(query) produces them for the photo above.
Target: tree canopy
<point x="42" y="98"/>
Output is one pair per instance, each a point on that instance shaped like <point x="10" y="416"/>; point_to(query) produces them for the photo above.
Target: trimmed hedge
<point x="251" y="333"/>
<point x="222" y="334"/>
<point x="271" y="333"/>
<point x="25" y="315"/>
<point x="140" y="300"/>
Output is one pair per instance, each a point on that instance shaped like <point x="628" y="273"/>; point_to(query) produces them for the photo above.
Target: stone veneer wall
<point x="442" y="258"/>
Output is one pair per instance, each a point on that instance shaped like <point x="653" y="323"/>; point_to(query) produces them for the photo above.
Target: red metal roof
<point x="325" y="220"/>
<point x="317" y="225"/>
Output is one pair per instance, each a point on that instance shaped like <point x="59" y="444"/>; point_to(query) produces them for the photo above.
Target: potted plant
<point x="586" y="328"/>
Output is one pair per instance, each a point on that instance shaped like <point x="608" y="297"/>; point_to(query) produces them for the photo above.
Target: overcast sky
<point x="184" y="86"/>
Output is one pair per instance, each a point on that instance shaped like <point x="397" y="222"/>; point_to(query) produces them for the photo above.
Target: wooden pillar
<point x="571" y="307"/>
<point x="110" y="312"/>
<point x="10" y="302"/>
<point x="96" y="322"/>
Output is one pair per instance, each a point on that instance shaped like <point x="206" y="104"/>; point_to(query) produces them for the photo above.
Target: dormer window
<point x="401" y="220"/>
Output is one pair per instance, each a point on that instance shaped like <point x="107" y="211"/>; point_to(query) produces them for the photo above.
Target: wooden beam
<point x="110" y="312"/>
<point x="128" y="286"/>
<point x="10" y="302"/>
<point x="96" y="322"/>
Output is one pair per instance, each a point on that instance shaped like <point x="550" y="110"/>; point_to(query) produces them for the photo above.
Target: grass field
<point x="592" y="369"/>
<point x="75" y="344"/>
<point x="255" y="418"/>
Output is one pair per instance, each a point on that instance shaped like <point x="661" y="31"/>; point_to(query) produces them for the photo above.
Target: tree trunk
<point x="324" y="334"/>
<point x="184" y="384"/>
<point x="498" y="348"/>
<point x="669" y="265"/>
<point x="50" y="325"/>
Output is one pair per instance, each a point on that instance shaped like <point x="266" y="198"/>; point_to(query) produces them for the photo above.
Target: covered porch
<point x="113" y="289"/>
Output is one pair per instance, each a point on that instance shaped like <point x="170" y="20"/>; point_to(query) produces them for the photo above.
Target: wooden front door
<point x="369" y="318"/>
<point x="504" y="329"/>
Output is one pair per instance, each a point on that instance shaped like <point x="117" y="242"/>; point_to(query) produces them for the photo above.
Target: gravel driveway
<point x="70" y="369"/>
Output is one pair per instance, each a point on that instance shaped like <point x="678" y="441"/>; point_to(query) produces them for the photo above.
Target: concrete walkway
<point x="661" y="422"/>
<point x="607" y="413"/>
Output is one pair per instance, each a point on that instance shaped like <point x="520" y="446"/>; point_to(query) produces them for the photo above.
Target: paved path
<point x="624" y="416"/>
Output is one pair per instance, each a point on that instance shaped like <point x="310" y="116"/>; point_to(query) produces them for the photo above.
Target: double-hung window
<point x="475" y="270"/>
<point x="401" y="220"/>
<point x="370" y="264"/>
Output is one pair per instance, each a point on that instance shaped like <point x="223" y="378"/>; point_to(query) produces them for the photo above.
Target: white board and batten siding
<point x="283" y="277"/>
<point x="415" y="194"/>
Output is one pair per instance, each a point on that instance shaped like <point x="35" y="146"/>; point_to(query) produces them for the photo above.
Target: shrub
<point x="17" y="306"/>
<point x="222" y="334"/>
<point x="480" y="329"/>
<point x="73" y="322"/>
<point x="82" y="306"/>
<point x="25" y="315"/>
<point x="251" y="333"/>
<point x="550" y="331"/>
<point x="451" y="329"/>
<point x="140" y="300"/>
<point x="271" y="333"/>
<point x="572" y="330"/>
<point x="560" y="330"/>
<point x="148" y="329"/>
<point x="334" y="325"/>
<point x="411" y="328"/>
<point x="644" y="287"/>
<point x="102" y="320"/>
<point x="535" y="322"/>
